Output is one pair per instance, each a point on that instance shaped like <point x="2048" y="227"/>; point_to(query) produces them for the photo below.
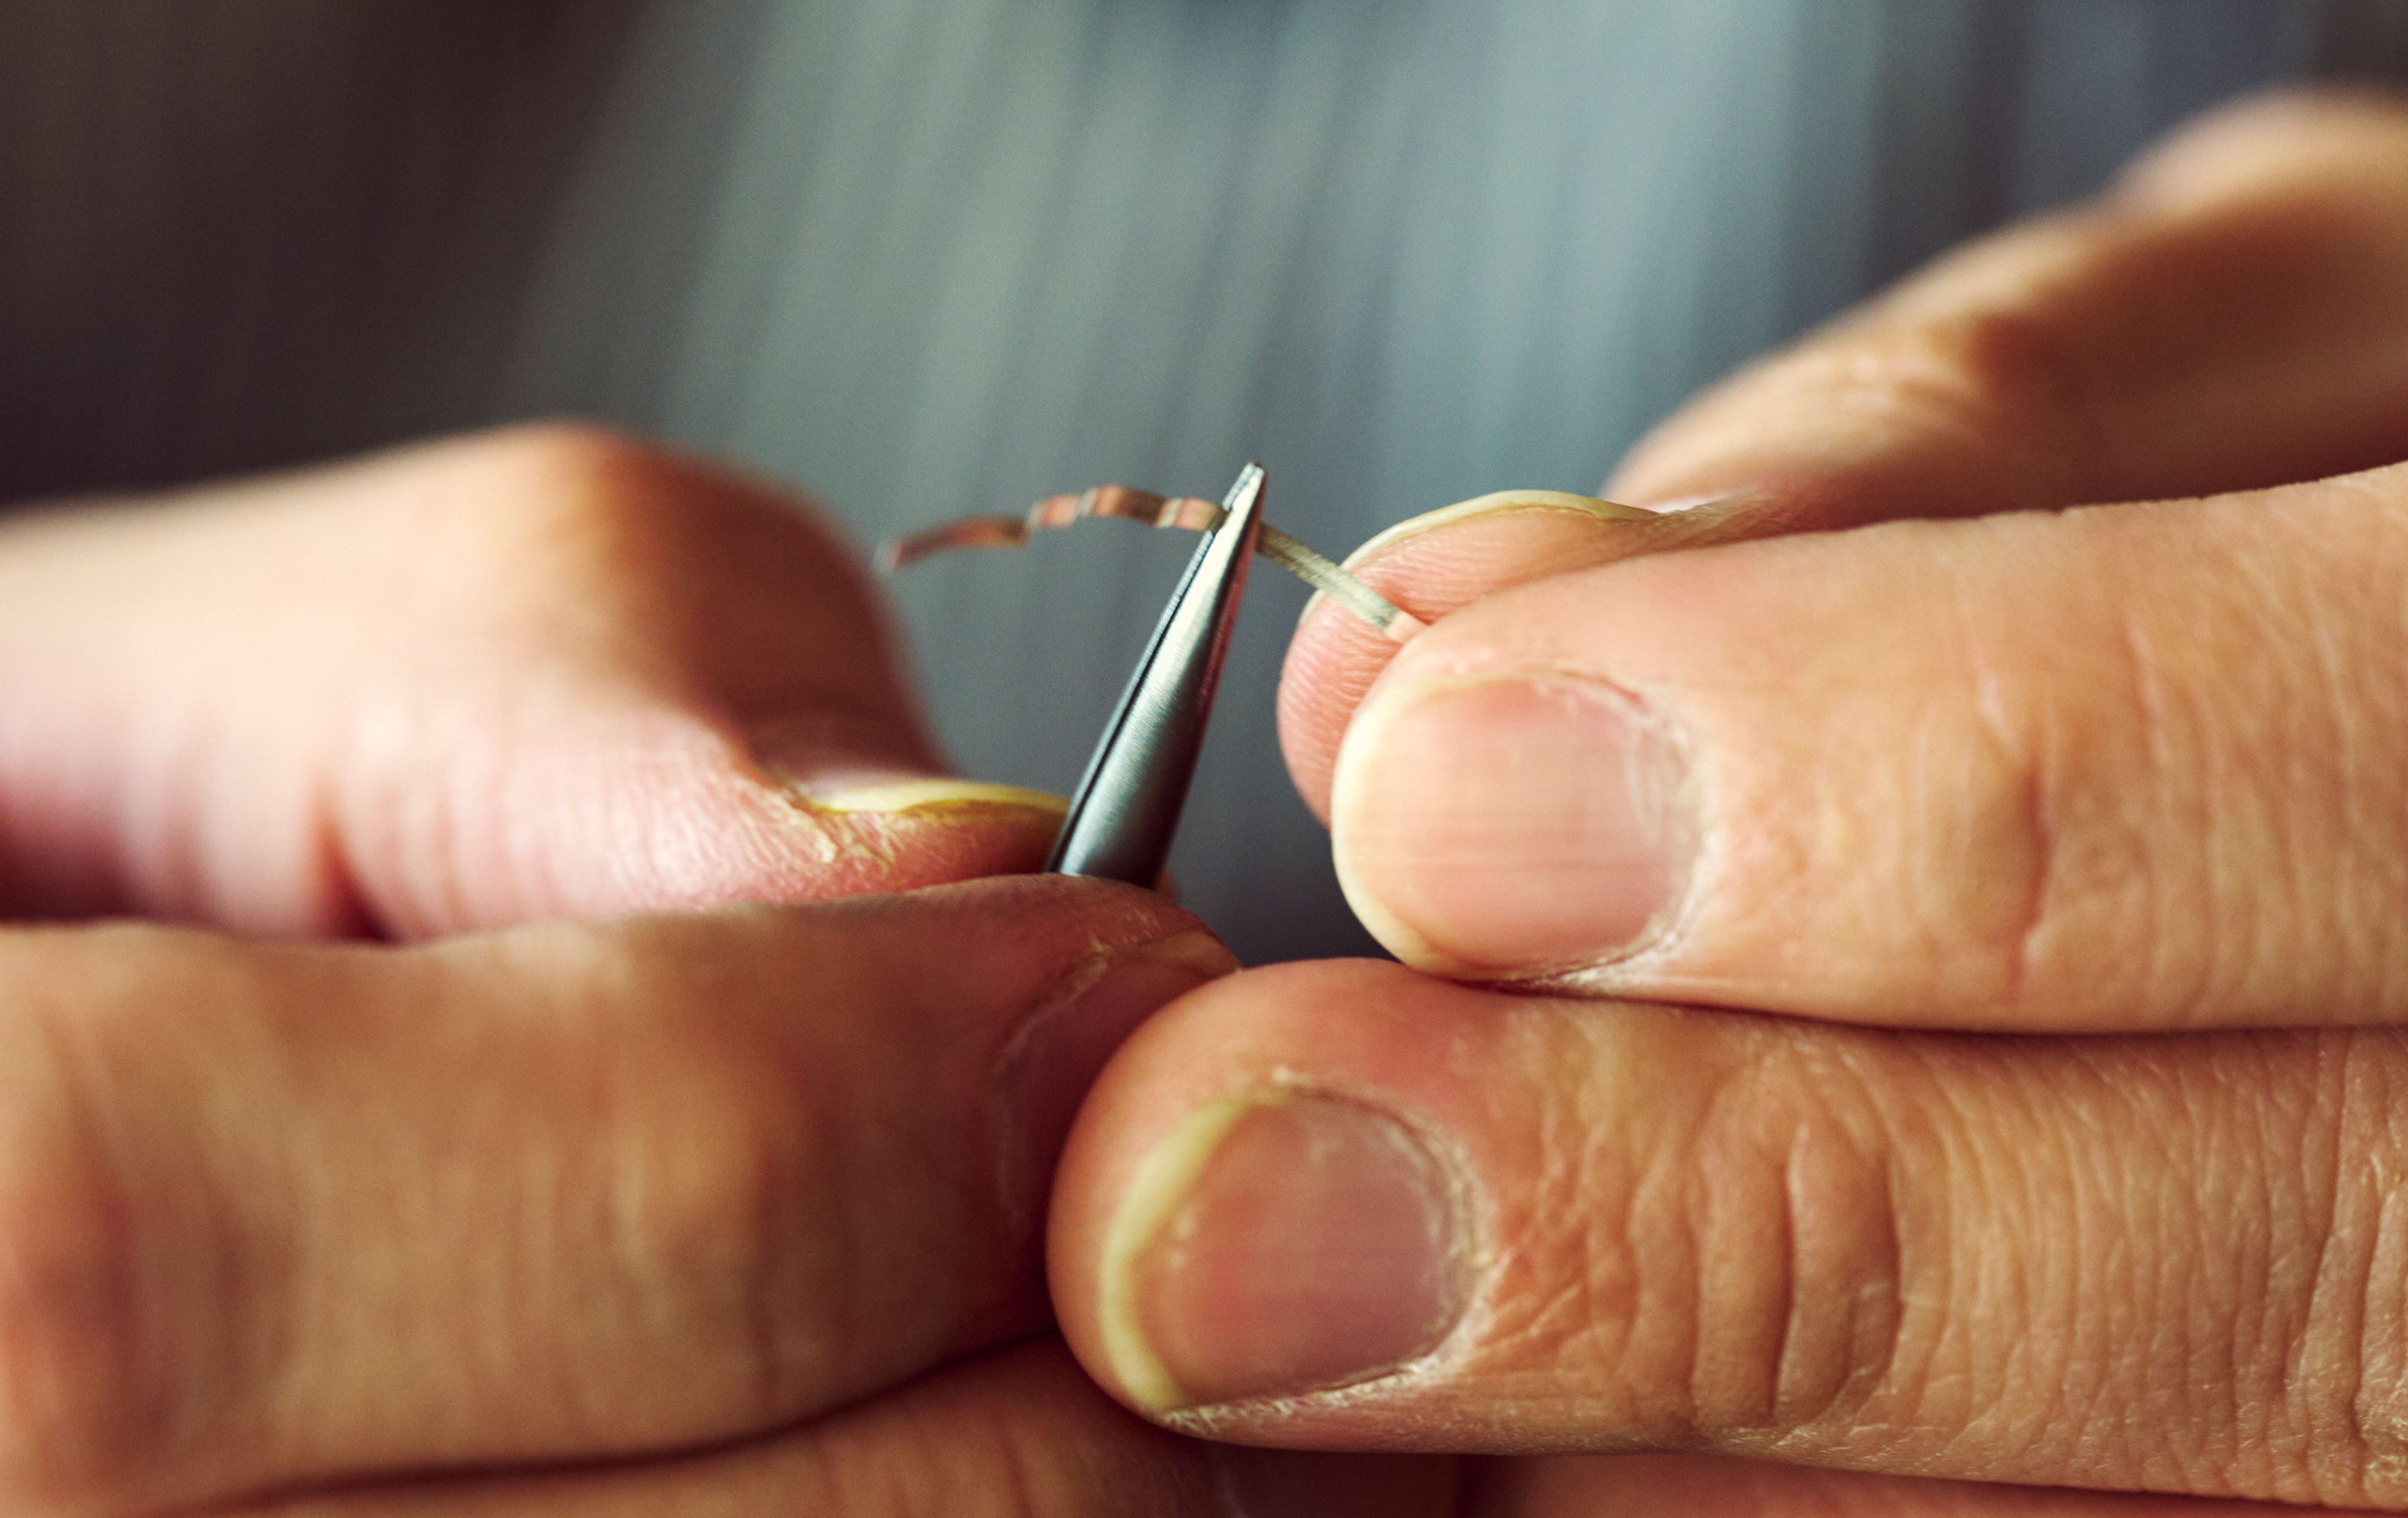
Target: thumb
<point x="542" y="673"/>
<point x="2056" y="363"/>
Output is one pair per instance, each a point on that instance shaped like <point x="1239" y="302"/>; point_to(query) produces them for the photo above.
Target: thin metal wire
<point x="1191" y="512"/>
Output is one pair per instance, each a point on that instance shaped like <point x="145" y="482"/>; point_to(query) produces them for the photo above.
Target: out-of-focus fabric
<point x="925" y="257"/>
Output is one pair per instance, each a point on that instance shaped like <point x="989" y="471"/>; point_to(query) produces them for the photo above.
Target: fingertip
<point x="1221" y="1092"/>
<point x="2271" y="140"/>
<point x="1432" y="565"/>
<point x="1513" y="823"/>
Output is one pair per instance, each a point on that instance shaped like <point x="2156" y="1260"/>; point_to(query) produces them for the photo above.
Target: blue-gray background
<point x="926" y="257"/>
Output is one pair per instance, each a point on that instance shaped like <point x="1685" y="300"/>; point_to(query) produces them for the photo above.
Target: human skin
<point x="1914" y="966"/>
<point x="402" y="1110"/>
<point x="410" y="1174"/>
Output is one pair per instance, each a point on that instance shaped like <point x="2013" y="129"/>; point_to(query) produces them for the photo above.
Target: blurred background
<point x="927" y="257"/>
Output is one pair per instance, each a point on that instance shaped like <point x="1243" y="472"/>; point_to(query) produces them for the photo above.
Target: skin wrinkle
<point x="1013" y="1182"/>
<point x="2373" y="1185"/>
<point x="2164" y="1436"/>
<point x="1581" y="1178"/>
<point x="2263" y="1350"/>
<point x="1602" y="1296"/>
<point x="1831" y="1269"/>
<point x="2105" y="1280"/>
<point x="2260" y="1346"/>
<point x="2311" y="1355"/>
<point x="2378" y="1403"/>
<point x="1909" y="1259"/>
<point x="2229" y="1283"/>
<point x="2154" y="1263"/>
<point x="2099" y="1241"/>
<point x="2021" y="931"/>
<point x="2323" y="1368"/>
<point x="347" y="910"/>
<point x="1721" y="1160"/>
<point x="1662" y="1193"/>
<point x="1947" y="1128"/>
<point x="2142" y="677"/>
<point x="1881" y="1294"/>
<point x="1785" y="1293"/>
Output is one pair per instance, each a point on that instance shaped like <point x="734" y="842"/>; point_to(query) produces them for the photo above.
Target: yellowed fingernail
<point x="920" y="795"/>
<point x="1278" y="1243"/>
<point x="1162" y="1182"/>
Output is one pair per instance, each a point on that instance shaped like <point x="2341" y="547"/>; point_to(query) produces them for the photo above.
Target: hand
<point x="2130" y="773"/>
<point x="731" y="1211"/>
<point x="537" y="674"/>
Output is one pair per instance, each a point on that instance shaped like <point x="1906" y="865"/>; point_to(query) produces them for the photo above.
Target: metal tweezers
<point x="1126" y="807"/>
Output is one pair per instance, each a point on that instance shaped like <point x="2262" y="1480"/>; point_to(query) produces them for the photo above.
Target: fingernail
<point x="1503" y="824"/>
<point x="1054" y="1056"/>
<point x="922" y="795"/>
<point x="1477" y="547"/>
<point x="858" y="833"/>
<point x="1277" y="1244"/>
<point x="835" y="763"/>
<point x="1503" y="503"/>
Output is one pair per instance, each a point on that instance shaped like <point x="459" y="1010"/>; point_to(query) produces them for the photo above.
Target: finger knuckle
<point x="1802" y="1223"/>
<point x="576" y="525"/>
<point x="577" y="499"/>
<point x="2002" y="376"/>
<point x="1740" y="1279"/>
<point x="721" y="1229"/>
<point x="2057" y="882"/>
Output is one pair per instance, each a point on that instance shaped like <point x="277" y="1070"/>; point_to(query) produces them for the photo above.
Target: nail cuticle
<point x="1675" y="505"/>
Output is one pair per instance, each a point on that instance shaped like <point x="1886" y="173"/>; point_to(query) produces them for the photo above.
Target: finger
<point x="1018" y="1434"/>
<point x="2232" y="314"/>
<point x="276" y="1215"/>
<point x="1437" y="565"/>
<point x="1342" y="1206"/>
<point x="2120" y="767"/>
<point x="1649" y="1485"/>
<point x="540" y="674"/>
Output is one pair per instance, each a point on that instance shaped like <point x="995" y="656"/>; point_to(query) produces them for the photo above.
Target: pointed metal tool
<point x="1126" y="807"/>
